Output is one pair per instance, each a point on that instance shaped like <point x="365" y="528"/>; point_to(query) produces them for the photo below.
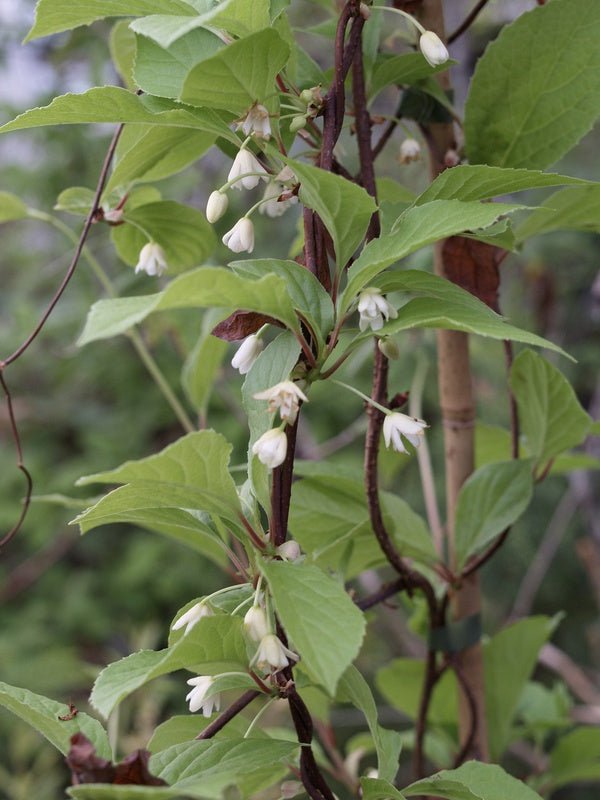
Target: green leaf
<point x="11" y="207"/>
<point x="509" y="660"/>
<point x="207" y="768"/>
<point x="201" y="369"/>
<point x="192" y="470"/>
<point x="401" y="683"/>
<point x="116" y="105"/>
<point x="162" y="71"/>
<point x="554" y="46"/>
<point x="551" y="417"/>
<point x="388" y="744"/>
<point x="182" y="232"/>
<point x="166" y="29"/>
<point x="153" y="153"/>
<point x="306" y="293"/>
<point x="578" y="209"/>
<point x="575" y="759"/>
<point x="414" y="229"/>
<point x="122" y="52"/>
<point x="313" y="608"/>
<point x="241" y="74"/>
<point x="206" y="287"/>
<point x="214" y="645"/>
<point x="44" y="715"/>
<point x="468" y="182"/>
<point x="378" y="789"/>
<point x="242" y="18"/>
<point x="473" y="781"/>
<point x="111" y="791"/>
<point x="344" y="207"/>
<point x="54" y="16"/>
<point x="490" y="501"/>
<point x="179" y="729"/>
<point x="404" y="70"/>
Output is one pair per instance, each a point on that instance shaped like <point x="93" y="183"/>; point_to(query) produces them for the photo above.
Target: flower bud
<point x="364" y="10"/>
<point x="247" y="353"/>
<point x="410" y="150"/>
<point x="298" y="123"/>
<point x="433" y="49"/>
<point x="389" y="347"/>
<point x="289" y="551"/>
<point x="256" y="624"/>
<point x="216" y="206"/>
<point x="271" y="448"/>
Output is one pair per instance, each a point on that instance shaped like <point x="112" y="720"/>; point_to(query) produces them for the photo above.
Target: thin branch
<point x="514" y="409"/>
<point x="470" y="740"/>
<point x="227" y="715"/>
<point x="468" y="21"/>
<point x="282" y="487"/>
<point x="381" y="595"/>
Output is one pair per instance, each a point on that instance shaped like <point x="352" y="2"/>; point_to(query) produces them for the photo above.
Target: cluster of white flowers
<point x="271" y="447"/>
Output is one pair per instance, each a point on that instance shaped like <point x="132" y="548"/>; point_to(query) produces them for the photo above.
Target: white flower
<point x="410" y="150"/>
<point x="396" y="425"/>
<point x="257" y="121"/>
<point x="256" y="624"/>
<point x="216" y="206"/>
<point x="197" y="697"/>
<point x="241" y="237"/>
<point x="284" y="396"/>
<point x="192" y="616"/>
<point x="273" y="654"/>
<point x="433" y="48"/>
<point x="289" y="550"/>
<point x="291" y="789"/>
<point x="372" y="308"/>
<point x="152" y="259"/>
<point x="276" y="200"/>
<point x="271" y="448"/>
<point x="247" y="353"/>
<point x="244" y="163"/>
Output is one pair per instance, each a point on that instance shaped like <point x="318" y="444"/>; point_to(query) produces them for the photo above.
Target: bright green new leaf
<point x="161" y="71"/>
<point x="473" y="781"/>
<point x="116" y="105"/>
<point x="201" y="368"/>
<point x="401" y="683"/>
<point x="490" y="501"/>
<point x="185" y="728"/>
<point x="313" y="608"/>
<point x="241" y="18"/>
<point x="154" y="153"/>
<point x="239" y="75"/>
<point x="183" y="233"/>
<point x="480" y="182"/>
<point x="388" y="744"/>
<point x="206" y="287"/>
<point x="547" y="63"/>
<point x="214" y="645"/>
<point x="551" y="417"/>
<point x="44" y="715"/>
<point x="111" y="791"/>
<point x="122" y="52"/>
<point x="344" y="207"/>
<point x="575" y="759"/>
<point x="404" y="70"/>
<point x="378" y="789"/>
<point x="54" y="16"/>
<point x="166" y="29"/>
<point x="510" y="658"/>
<point x="578" y="209"/>
<point x="414" y="229"/>
<point x="208" y="767"/>
<point x="11" y="207"/>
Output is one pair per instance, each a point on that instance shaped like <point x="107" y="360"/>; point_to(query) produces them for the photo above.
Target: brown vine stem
<point x="234" y="709"/>
<point x="282" y="488"/>
<point x="38" y="328"/>
<point x="468" y="21"/>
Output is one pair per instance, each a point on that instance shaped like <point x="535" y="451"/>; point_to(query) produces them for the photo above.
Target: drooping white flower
<point x="216" y="206"/>
<point x="241" y="237"/>
<point x="152" y="260"/>
<point x="397" y="425"/>
<point x="247" y="353"/>
<point x="372" y="308"/>
<point x="290" y="550"/>
<point x="284" y="396"/>
<point x="276" y="200"/>
<point x="256" y="623"/>
<point x="273" y="654"/>
<point x="192" y="616"/>
<point x="410" y="150"/>
<point x="256" y="121"/>
<point x="433" y="48"/>
<point x="246" y="162"/>
<point x="197" y="697"/>
<point x="291" y="789"/>
<point x="271" y="448"/>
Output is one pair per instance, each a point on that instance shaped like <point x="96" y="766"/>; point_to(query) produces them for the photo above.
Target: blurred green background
<point x="70" y="604"/>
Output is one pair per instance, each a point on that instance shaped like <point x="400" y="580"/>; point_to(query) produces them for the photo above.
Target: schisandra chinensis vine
<point x="378" y="221"/>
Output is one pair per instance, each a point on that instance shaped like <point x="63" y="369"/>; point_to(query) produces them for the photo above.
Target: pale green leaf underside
<point x="206" y="287"/>
<point x="415" y="228"/>
<point x="167" y="28"/>
<point x="43" y="715"/>
<point x="214" y="645"/>
<point x="313" y="608"/>
<point x="379" y="789"/>
<point x="578" y="209"/>
<point x="473" y="781"/>
<point x="405" y="69"/>
<point x="11" y="207"/>
<point x="536" y="90"/>
<point x="490" y="500"/>
<point x="115" y="105"/>
<point x="109" y="791"/>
